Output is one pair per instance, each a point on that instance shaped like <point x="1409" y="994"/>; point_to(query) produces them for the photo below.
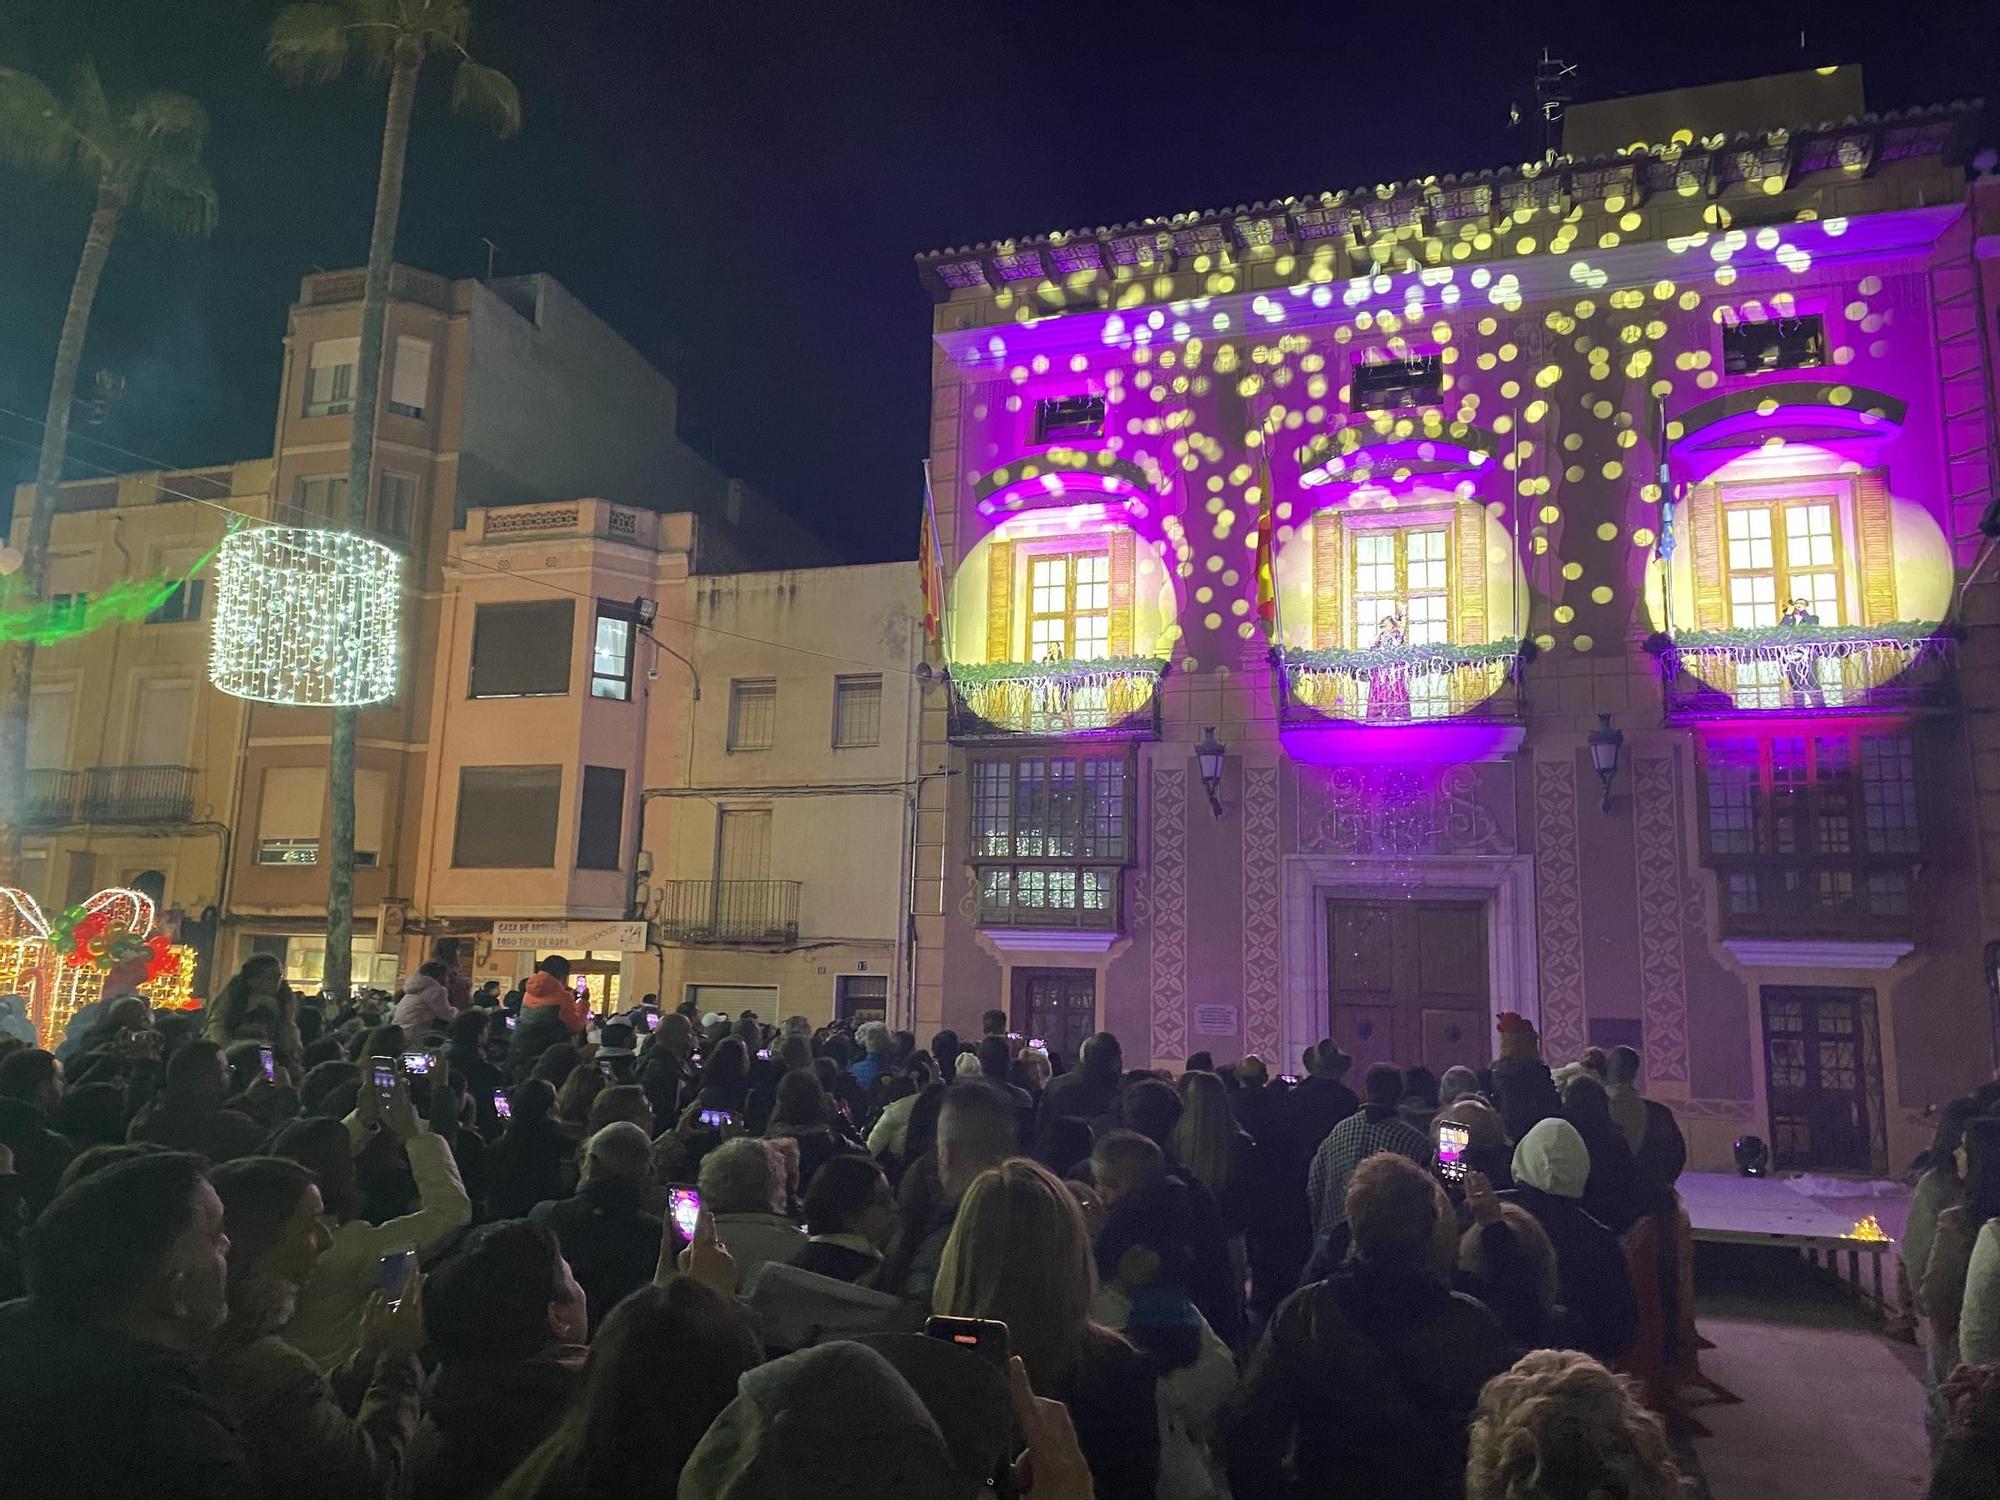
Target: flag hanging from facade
<point x="1664" y="549"/>
<point x="1267" y="578"/>
<point x="930" y="568"/>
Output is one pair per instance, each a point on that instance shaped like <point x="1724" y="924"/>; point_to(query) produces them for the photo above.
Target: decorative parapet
<point x="1112" y="697"/>
<point x="1401" y="684"/>
<point x="1805" y="668"/>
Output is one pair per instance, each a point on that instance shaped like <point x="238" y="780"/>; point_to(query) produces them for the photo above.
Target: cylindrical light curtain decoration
<point x="305" y="616"/>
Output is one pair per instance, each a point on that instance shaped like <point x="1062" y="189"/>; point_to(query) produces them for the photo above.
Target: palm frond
<point x="447" y="25"/>
<point x="308" y="43"/>
<point x="179" y="195"/>
<point x="487" y="94"/>
<point x="33" y="133"/>
<point x="89" y="108"/>
<point x="176" y="121"/>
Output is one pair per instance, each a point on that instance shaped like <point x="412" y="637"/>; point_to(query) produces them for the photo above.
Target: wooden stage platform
<point x="1727" y="1208"/>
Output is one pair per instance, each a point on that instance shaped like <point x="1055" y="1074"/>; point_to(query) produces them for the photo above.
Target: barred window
<point x="857" y="712"/>
<point x="753" y="713"/>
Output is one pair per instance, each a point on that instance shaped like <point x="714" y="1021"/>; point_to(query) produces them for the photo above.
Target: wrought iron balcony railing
<point x="1114" y="698"/>
<point x="1786" y="896"/>
<point x="1401" y="684"/>
<point x="111" y="794"/>
<point x="137" y="794"/>
<point x="1804" y="669"/>
<point x="728" y="911"/>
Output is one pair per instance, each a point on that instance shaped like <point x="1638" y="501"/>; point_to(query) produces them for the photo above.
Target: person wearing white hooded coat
<point x="1551" y="1167"/>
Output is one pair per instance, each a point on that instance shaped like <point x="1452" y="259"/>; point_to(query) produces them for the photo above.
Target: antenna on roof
<point x="492" y="250"/>
<point x="1554" y="83"/>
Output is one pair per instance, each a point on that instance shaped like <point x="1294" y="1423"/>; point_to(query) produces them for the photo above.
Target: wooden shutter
<point x="1468" y="586"/>
<point x="1124" y="562"/>
<point x="1000" y="602"/>
<point x="1875" y="548"/>
<point x="1329" y="581"/>
<point x="1703" y="519"/>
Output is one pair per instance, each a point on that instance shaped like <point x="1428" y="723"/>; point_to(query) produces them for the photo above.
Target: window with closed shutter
<point x="409" y="386"/>
<point x="602" y="818"/>
<point x="330" y="377"/>
<point x="371" y="805"/>
<point x="320" y="499"/>
<point x="395" y="502"/>
<point x="522" y="650"/>
<point x="290" y="812"/>
<point x="507" y="817"/>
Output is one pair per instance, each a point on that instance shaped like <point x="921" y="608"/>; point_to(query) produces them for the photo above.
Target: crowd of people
<point x="455" y="1244"/>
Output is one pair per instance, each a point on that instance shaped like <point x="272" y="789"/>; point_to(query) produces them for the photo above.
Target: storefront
<point x="598" y="953"/>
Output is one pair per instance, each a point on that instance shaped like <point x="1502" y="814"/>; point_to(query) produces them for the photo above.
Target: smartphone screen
<point x="382" y="1073"/>
<point x="1452" y="1141"/>
<point x="983" y="1336"/>
<point x="512" y="1022"/>
<point x="684" y="1203"/>
<point x="268" y="1061"/>
<point x="415" y="1063"/>
<point x="763" y="1054"/>
<point x="392" y="1272"/>
<point x="651" y="1018"/>
<point x="500" y="1105"/>
<point x="715" y="1119"/>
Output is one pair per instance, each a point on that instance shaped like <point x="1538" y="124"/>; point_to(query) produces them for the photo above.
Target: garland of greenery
<point x="1410" y="659"/>
<point x="1896" y="633"/>
<point x="980" y="674"/>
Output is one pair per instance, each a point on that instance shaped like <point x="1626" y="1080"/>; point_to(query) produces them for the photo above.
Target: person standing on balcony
<point x="1388" y="685"/>
<point x="1801" y="666"/>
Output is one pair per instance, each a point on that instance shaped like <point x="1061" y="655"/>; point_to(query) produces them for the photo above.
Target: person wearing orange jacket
<point x="551" y="1012"/>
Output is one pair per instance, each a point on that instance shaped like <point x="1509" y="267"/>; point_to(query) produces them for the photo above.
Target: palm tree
<point x="314" y="44"/>
<point x="143" y="152"/>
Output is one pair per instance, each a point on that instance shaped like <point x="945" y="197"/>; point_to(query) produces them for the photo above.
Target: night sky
<point x="739" y="188"/>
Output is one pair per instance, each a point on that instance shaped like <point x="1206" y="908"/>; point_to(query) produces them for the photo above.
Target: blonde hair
<point x="1559" y="1424"/>
<point x="1205" y="1136"/>
<point x="1018" y="1253"/>
<point x="1534" y="1246"/>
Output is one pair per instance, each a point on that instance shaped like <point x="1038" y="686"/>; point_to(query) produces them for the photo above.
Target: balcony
<point x="729" y="911"/>
<point x="1804" y="669"/>
<point x="1864" y="898"/>
<point x="111" y="794"/>
<point x="1116" y="698"/>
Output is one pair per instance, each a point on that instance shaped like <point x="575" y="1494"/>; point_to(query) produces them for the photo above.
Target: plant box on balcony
<point x="1114" y="696"/>
<point x="1400" y="684"/>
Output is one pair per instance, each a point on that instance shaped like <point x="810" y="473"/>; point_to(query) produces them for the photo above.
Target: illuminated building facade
<point x="1665" y="457"/>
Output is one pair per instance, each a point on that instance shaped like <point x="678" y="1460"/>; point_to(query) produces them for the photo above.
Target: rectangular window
<point x="601" y="822"/>
<point x="522" y="650"/>
<point x="753" y="713"/>
<point x="290" y="812"/>
<point x="320" y="499"/>
<point x="857" y="712"/>
<point x="1783" y="554"/>
<point x="1760" y="344"/>
<point x="507" y="817"/>
<point x="409" y="385"/>
<point x="330" y="377"/>
<point x="1404" y="572"/>
<point x="1069" y="605"/>
<point x="395" y="502"/>
<point x="1069" y="419"/>
<point x="611" y="652"/>
<point x="1391" y="384"/>
<point x="182" y="605"/>
<point x="1817" y="833"/>
<point x="1050" y="834"/>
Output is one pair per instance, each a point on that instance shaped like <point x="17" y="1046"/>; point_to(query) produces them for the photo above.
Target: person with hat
<point x="1320" y="1101"/>
<point x="1524" y="1091"/>
<point x="1551" y="1172"/>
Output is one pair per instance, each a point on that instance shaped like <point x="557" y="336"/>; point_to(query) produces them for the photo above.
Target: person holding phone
<point x="328" y="1326"/>
<point x="301" y="1438"/>
<point x="257" y="1005"/>
<point x="608" y="1234"/>
<point x="531" y="1162"/>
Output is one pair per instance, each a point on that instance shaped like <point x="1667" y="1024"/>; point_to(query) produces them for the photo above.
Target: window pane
<point x="857" y="712"/>
<point x="395" y="501"/>
<point x="1889" y="794"/>
<point x="992" y="799"/>
<point x="611" y="657"/>
<point x="1031" y="807"/>
<point x="753" y="713"/>
<point x="522" y="650"/>
<point x="602" y="818"/>
<point x="507" y="817"/>
<point x="1732" y="796"/>
<point x="1104" y="832"/>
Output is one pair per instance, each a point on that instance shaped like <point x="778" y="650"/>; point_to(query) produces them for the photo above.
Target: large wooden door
<point x="1057" y="1005"/>
<point x="1818" y="1064"/>
<point x="1407" y="982"/>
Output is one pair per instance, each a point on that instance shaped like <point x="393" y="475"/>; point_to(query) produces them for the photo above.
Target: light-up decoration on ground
<point x="1868" y="1227"/>
<point x="1059" y="697"/>
<point x="60" y="969"/>
<point x="1401" y="684"/>
<point x="306" y="617"/>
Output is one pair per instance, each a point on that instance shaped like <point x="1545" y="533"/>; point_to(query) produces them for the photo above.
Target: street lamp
<point x="1605" y="743"/>
<point x="1208" y="755"/>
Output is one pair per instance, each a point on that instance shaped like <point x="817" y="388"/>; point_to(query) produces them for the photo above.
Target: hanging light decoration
<point x="305" y="616"/>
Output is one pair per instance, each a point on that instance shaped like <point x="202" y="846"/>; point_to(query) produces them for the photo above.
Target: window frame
<point x="733" y="743"/>
<point x="1445" y="527"/>
<point x="856" y="681"/>
<point x="1789" y="811"/>
<point x="1812" y="336"/>
<point x="1068" y="613"/>
<point x="382" y="477"/>
<point x="479" y="612"/>
<point x="336" y="404"/>
<point x="601" y="776"/>
<point x="1780" y="507"/>
<point x="1070" y="419"/>
<point x="1422" y="383"/>
<point x="336" y="484"/>
<point x="622" y="613"/>
<point x="459" y="819"/>
<point x="183" y="606"/>
<point x="1021" y="866"/>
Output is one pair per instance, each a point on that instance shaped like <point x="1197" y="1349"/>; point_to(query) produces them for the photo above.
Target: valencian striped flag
<point x="930" y="568"/>
<point x="1267" y="578"/>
